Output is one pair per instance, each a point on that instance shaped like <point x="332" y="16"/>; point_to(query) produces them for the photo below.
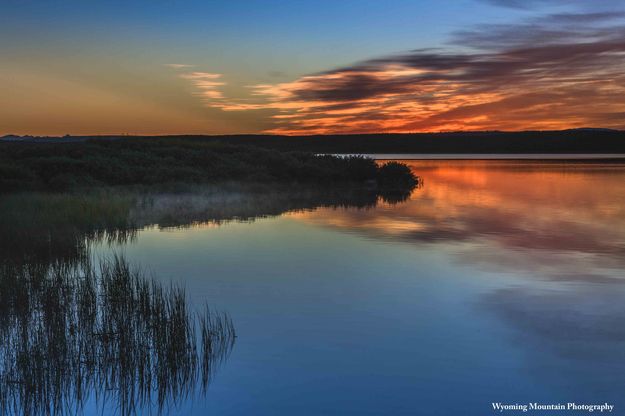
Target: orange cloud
<point x="538" y="74"/>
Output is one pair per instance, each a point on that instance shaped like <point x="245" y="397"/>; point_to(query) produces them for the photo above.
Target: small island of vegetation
<point x="176" y="161"/>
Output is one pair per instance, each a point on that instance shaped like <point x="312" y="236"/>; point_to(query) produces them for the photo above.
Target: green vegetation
<point x="44" y="228"/>
<point x="162" y="161"/>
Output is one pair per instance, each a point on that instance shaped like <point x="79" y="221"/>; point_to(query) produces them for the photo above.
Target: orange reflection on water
<point x="554" y="218"/>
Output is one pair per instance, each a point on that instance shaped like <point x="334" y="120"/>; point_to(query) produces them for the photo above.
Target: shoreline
<point x="493" y="156"/>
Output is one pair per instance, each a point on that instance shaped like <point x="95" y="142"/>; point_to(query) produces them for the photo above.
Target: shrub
<point x="396" y="175"/>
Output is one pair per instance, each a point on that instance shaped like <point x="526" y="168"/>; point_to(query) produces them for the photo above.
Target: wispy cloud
<point x="179" y="66"/>
<point x="206" y="83"/>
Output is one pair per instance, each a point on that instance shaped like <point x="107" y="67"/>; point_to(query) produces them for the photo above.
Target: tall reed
<point x="75" y="333"/>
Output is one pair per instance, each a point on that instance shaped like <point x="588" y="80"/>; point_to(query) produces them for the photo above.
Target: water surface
<point x="496" y="281"/>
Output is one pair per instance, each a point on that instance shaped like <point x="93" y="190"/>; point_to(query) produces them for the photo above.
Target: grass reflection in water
<point x="76" y="333"/>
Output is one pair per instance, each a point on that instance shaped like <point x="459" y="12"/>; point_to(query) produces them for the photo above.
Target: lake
<point x="495" y="281"/>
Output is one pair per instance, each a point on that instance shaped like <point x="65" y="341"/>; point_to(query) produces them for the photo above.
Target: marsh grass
<point x="72" y="334"/>
<point x="47" y="227"/>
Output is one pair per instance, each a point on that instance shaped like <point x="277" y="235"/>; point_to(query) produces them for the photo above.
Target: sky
<point x="309" y="67"/>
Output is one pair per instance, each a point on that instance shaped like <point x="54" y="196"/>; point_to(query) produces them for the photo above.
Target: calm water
<point x="497" y="281"/>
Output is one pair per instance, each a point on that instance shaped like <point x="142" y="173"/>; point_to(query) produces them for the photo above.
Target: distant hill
<point x="585" y="140"/>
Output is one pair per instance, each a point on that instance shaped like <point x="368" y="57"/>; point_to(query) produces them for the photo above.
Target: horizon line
<point x="601" y="129"/>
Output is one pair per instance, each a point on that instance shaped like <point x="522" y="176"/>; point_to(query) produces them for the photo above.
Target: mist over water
<point x="495" y="281"/>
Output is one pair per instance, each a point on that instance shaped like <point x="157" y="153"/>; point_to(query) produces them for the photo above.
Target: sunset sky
<point x="307" y="67"/>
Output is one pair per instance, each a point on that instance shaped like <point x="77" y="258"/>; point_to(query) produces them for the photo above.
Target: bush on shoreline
<point x="154" y="162"/>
